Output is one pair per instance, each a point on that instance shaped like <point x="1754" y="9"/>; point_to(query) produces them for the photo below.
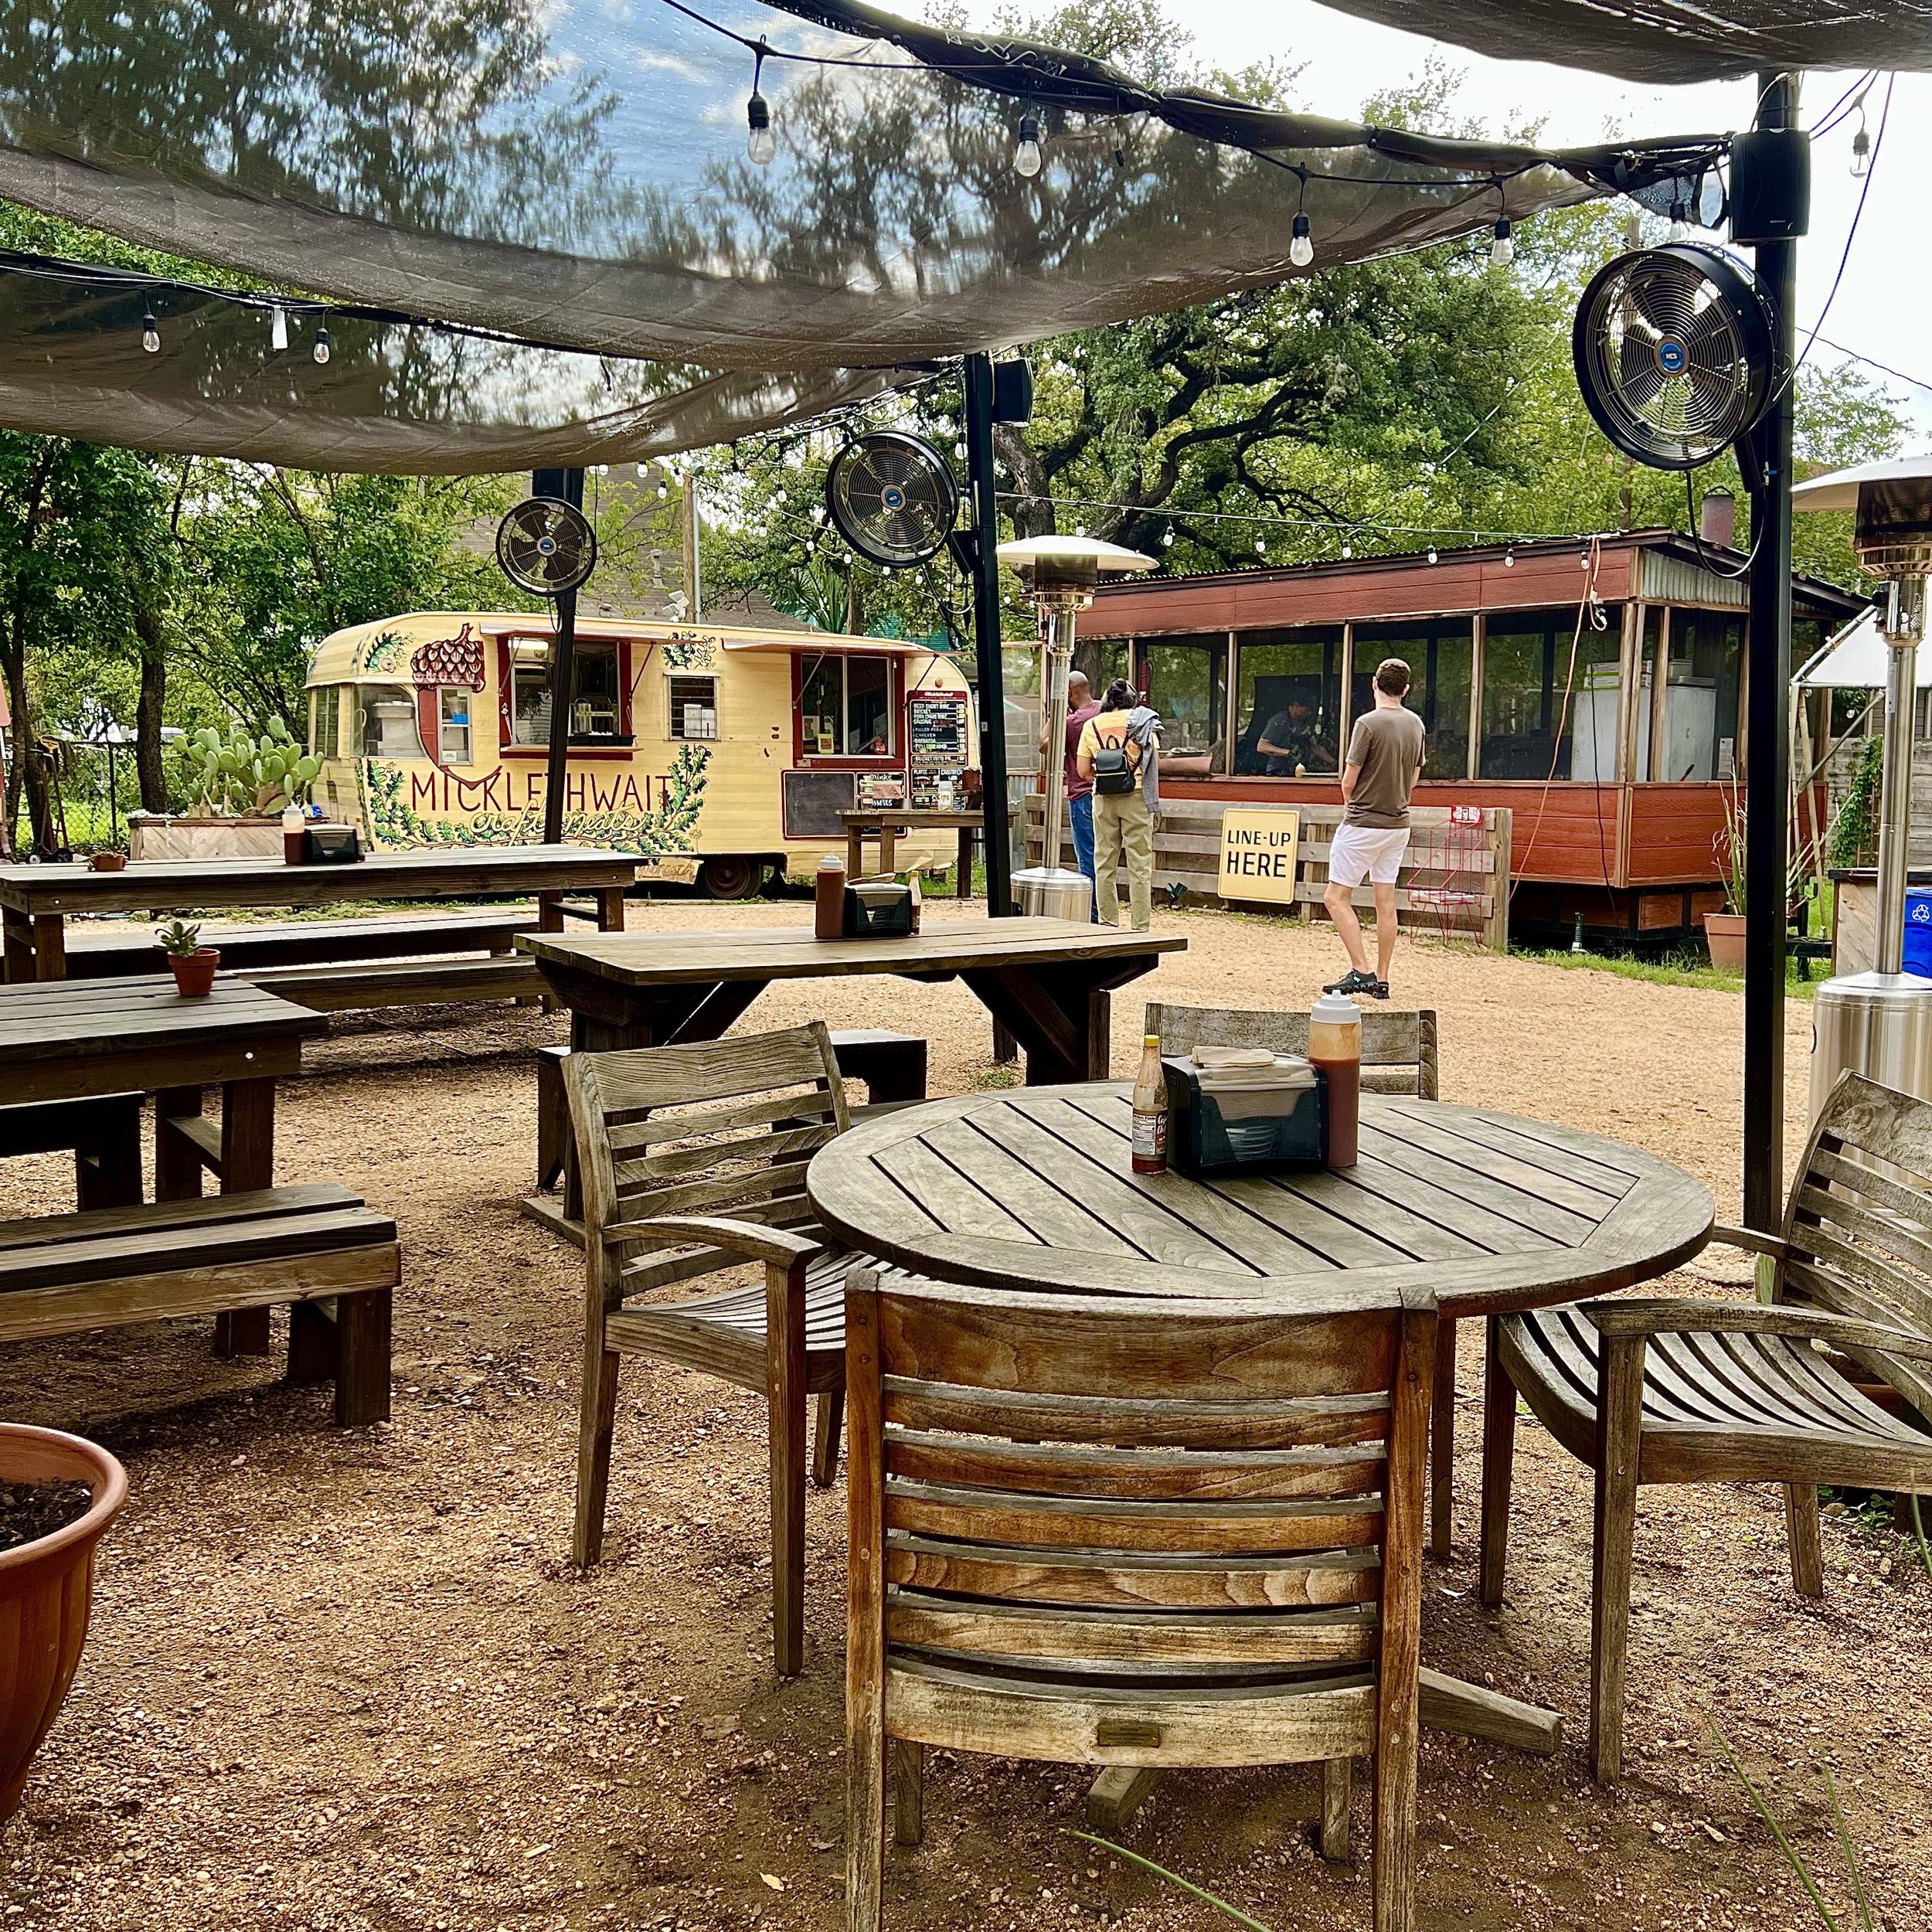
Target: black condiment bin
<point x="1200" y="1141"/>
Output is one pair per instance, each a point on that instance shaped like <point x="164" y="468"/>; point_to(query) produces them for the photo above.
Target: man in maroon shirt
<point x="1080" y="707"/>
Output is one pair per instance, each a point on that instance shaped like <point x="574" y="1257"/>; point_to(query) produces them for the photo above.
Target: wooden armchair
<point x="1683" y="1391"/>
<point x="1134" y="1534"/>
<point x="1399" y="1056"/>
<point x="693" y="1160"/>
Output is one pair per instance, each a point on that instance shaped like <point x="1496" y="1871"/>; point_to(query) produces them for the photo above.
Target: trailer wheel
<point x="732" y="877"/>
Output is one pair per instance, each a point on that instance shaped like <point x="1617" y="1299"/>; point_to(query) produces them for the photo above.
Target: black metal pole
<point x="986" y="631"/>
<point x="1767" y="771"/>
<point x="567" y="484"/>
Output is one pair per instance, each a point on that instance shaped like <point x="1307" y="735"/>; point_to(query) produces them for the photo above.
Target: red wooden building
<point x="1596" y="688"/>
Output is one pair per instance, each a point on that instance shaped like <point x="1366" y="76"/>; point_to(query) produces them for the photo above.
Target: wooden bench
<point x="103" y="1131"/>
<point x="892" y="1065"/>
<point x="405" y="982"/>
<point x="316" y="1248"/>
<point x="106" y="951"/>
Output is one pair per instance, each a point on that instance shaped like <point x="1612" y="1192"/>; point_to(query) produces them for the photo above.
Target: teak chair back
<point x="1134" y="1535"/>
<point x="1399" y="1056"/>
<point x="1398" y="1047"/>
<point x="693" y="1160"/>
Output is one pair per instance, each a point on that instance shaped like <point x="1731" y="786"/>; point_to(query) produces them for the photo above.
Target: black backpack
<point x="1113" y="772"/>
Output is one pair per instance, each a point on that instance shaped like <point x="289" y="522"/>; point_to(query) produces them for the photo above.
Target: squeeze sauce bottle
<point x="1335" y="1045"/>
<point x="828" y="892"/>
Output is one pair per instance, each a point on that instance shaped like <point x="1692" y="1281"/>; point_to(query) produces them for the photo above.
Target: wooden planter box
<point x="156" y="837"/>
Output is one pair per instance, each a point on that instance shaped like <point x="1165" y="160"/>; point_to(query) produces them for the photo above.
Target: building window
<point x="1440" y="656"/>
<point x="1186" y="682"/>
<point x="1550" y="696"/>
<point x="387" y="728"/>
<point x="1103" y="659"/>
<point x="844" y="704"/>
<point x="325" y="722"/>
<point x="694" y="707"/>
<point x="1287" y="702"/>
<point x="529" y="691"/>
<point x="1700" y="696"/>
<point x="452" y="724"/>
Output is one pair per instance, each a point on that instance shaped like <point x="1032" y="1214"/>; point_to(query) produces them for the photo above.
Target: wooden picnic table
<point x="60" y="1040"/>
<point x="1046" y="981"/>
<point x="1491" y="1213"/>
<point x="36" y="901"/>
<point x="889" y="826"/>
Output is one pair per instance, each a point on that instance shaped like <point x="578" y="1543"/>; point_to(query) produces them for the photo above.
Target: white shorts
<point x="1366" y="852"/>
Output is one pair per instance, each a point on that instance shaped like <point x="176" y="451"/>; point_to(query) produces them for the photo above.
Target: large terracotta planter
<point x="46" y="1590"/>
<point x="1724" y="934"/>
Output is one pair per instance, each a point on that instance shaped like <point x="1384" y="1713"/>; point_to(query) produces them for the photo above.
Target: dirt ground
<point x="349" y="1679"/>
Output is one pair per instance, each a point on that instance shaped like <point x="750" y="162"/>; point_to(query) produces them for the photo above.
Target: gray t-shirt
<point x="1386" y="743"/>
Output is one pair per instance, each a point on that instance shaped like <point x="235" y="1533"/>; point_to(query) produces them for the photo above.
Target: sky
<point x="1880" y="306"/>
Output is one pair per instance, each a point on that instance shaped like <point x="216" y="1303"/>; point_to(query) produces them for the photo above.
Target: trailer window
<point x="596" y="708"/>
<point x="1551" y="696"/>
<point x="844" y="704"/>
<point x="453" y="722"/>
<point x="388" y="722"/>
<point x="325" y="722"/>
<point x="1287" y="697"/>
<point x="694" y="707"/>
<point x="529" y="691"/>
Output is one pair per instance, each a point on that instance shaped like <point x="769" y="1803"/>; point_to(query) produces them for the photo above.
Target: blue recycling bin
<point x="1918" y="930"/>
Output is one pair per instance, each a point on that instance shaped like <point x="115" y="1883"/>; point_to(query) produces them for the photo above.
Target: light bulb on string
<point x="1346" y="552"/>
<point x="1026" y="156"/>
<point x="1432" y="553"/>
<point x="1301" y="244"/>
<point x="1502" y="247"/>
<point x="1261" y="546"/>
<point x="150" y="334"/>
<point x="321" y="349"/>
<point x="278" y="329"/>
<point x="1861" y="153"/>
<point x="760" y="143"/>
<point x="1167" y="538"/>
<point x="1509" y="558"/>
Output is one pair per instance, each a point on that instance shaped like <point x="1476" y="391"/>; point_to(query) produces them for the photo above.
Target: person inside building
<point x="1385" y="759"/>
<point x="1290" y="743"/>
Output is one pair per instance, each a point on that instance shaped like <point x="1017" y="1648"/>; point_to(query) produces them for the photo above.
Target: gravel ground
<point x="348" y="1679"/>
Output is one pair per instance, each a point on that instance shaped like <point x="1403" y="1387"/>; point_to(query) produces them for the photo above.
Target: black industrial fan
<point x="1674" y="352"/>
<point x="892" y="498"/>
<point x="545" y="546"/>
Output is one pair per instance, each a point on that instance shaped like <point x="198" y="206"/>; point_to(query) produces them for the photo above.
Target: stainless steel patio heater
<point x="1060" y="574"/>
<point x="1879" y="1023"/>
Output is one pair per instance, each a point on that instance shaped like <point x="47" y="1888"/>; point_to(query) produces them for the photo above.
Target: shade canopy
<point x="1673" y="40"/>
<point x="576" y="179"/>
<point x="1854" y="660"/>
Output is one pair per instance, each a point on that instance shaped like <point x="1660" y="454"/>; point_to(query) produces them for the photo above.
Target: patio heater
<point x="1060" y="574"/>
<point x="1879" y="1023"/>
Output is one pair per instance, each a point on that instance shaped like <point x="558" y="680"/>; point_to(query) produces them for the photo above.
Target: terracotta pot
<point x="108" y="861"/>
<point x="1724" y="934"/>
<point x="195" y="972"/>
<point x="46" y="1590"/>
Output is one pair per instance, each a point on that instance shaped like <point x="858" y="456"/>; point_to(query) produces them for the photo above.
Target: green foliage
<point x="233" y="771"/>
<point x="1792" y="1856"/>
<point x="1854" y="837"/>
<point x="178" y="937"/>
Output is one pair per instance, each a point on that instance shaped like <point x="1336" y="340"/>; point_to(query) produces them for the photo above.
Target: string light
<point x="1261" y="546"/>
<point x="1502" y="247"/>
<point x="760" y="143"/>
<point x="1679" y="227"/>
<point x="1432" y="553"/>
<point x="1509" y="559"/>
<point x="1167" y="538"/>
<point x="1301" y="244"/>
<point x="1026" y="156"/>
<point x="1347" y="553"/>
<point x="1861" y="151"/>
<point x="278" y="328"/>
<point x="150" y="335"/>
<point x="321" y="345"/>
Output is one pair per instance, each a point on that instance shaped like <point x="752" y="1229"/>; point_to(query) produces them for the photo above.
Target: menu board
<point x="941" y="752"/>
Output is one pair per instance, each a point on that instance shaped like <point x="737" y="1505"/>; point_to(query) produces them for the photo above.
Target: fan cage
<point x="527" y="528"/>
<point x="892" y="498"/>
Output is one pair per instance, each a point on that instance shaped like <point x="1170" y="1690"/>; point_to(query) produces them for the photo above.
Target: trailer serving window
<point x="452" y="724"/>
<point x="597" y="708"/>
<point x="387" y="727"/>
<point x="1440" y="657"/>
<point x="845" y="707"/>
<point x="693" y="708"/>
<point x="1187" y="683"/>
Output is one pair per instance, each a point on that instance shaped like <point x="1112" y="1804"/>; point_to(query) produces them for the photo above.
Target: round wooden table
<point x="1033" y="1190"/>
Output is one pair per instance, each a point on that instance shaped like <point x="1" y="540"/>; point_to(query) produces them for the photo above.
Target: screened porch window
<point x="325" y="722"/>
<point x="1440" y="656"/>
<point x="1186" y="682"/>
<point x="1700" y="696"/>
<point x="1287" y="702"/>
<point x="1550" y="696"/>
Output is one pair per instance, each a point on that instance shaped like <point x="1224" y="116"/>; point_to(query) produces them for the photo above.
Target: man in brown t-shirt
<point x="1385" y="757"/>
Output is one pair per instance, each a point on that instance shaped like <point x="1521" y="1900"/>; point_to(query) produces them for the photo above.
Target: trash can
<point x="1918" y="930"/>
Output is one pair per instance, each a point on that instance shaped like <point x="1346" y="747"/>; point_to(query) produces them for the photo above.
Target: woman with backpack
<point x="1120" y="751"/>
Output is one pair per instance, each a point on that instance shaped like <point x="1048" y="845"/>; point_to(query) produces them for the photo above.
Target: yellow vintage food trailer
<point x="719" y="755"/>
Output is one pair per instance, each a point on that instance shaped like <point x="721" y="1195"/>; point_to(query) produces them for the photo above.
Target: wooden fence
<point x="1454" y="881"/>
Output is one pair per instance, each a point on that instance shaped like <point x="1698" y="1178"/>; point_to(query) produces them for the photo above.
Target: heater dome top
<point x="1072" y="562"/>
<point x="1839" y="490"/>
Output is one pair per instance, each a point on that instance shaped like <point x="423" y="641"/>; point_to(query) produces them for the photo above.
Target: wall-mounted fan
<point x="545" y="546"/>
<point x="1674" y="353"/>
<point x="892" y="498"/>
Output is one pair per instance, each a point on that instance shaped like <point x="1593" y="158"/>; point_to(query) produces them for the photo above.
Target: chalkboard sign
<point x="813" y="800"/>
<point x="939" y="732"/>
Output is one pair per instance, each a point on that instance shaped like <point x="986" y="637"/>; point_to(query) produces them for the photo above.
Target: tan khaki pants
<point x="1122" y="823"/>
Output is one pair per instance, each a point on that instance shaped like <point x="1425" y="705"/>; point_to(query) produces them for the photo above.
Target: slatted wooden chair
<point x="1686" y="1391"/>
<point x="1399" y="1056"/>
<point x="1144" y="1533"/>
<point x="693" y="1160"/>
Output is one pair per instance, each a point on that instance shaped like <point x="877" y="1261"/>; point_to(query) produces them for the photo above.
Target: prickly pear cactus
<point x="233" y="774"/>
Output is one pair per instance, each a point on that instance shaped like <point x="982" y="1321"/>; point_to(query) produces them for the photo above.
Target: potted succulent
<point x="58" y="1494"/>
<point x="1724" y="932"/>
<point x="194" y="964"/>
